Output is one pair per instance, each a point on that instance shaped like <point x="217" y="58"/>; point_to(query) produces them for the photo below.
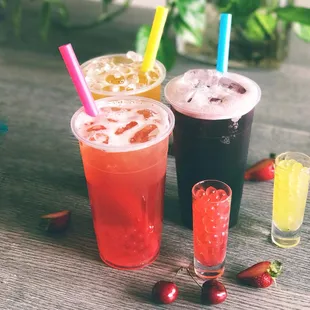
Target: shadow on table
<point x="251" y="226"/>
<point x="22" y="208"/>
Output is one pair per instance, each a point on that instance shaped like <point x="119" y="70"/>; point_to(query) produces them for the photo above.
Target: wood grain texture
<point x="41" y="172"/>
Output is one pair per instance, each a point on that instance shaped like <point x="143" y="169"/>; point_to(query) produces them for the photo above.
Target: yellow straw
<point x="154" y="39"/>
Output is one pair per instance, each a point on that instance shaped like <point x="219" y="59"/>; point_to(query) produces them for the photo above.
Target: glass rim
<point x="215" y="181"/>
<point x="305" y="156"/>
<point x="144" y="89"/>
<point x="129" y="147"/>
<point x="196" y="112"/>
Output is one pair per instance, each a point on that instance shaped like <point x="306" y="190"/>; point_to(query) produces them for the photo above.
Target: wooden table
<point x="41" y="172"/>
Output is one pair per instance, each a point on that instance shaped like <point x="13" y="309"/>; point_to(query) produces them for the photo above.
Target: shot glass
<point x="291" y="185"/>
<point x="211" y="210"/>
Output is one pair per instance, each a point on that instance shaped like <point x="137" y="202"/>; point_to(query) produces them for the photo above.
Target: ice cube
<point x="234" y="86"/>
<point x="134" y="56"/>
<point x="115" y="88"/>
<point x="199" y="97"/>
<point x="131" y="86"/>
<point x="99" y="137"/>
<point x="133" y="78"/>
<point x="117" y="74"/>
<point x="202" y="78"/>
<point x="115" y="77"/>
<point x="97" y="86"/>
<point x="106" y="67"/>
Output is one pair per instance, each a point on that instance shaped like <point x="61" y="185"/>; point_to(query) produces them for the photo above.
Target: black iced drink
<point x="213" y="119"/>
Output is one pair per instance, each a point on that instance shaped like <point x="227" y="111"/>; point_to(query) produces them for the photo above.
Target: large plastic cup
<point x="126" y="188"/>
<point x="208" y="146"/>
<point x="116" y="74"/>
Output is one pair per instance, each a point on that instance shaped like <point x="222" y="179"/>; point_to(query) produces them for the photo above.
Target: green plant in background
<point x="52" y="7"/>
<point x="255" y="22"/>
<point x="186" y="17"/>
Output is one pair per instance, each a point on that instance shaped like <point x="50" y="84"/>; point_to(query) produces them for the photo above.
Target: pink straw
<point x="78" y="79"/>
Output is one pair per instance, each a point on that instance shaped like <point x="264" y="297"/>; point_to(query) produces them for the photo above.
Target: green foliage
<point x="186" y="17"/>
<point x="302" y="31"/>
<point x="166" y="52"/>
<point x="260" y="25"/>
<point x="294" y="14"/>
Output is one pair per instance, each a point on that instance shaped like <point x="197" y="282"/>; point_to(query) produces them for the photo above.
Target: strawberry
<point x="56" y="222"/>
<point x="262" y="170"/>
<point x="260" y="275"/>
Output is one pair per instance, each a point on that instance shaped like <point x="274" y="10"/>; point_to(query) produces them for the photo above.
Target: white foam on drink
<point x="115" y="115"/>
<point x="208" y="94"/>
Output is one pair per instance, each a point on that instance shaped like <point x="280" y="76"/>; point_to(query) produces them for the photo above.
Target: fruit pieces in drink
<point x="123" y="124"/>
<point x="291" y="185"/>
<point x="211" y="209"/>
<point x="121" y="73"/>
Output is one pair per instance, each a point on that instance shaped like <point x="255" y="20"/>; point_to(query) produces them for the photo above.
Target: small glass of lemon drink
<point x="291" y="185"/>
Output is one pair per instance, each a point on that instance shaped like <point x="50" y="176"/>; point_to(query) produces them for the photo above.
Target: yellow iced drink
<point x="291" y="185"/>
<point x="121" y="74"/>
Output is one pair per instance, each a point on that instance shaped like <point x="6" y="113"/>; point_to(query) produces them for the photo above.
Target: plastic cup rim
<point x="196" y="113"/>
<point x="129" y="147"/>
<point x="277" y="160"/>
<point x="144" y="89"/>
<point x="215" y="181"/>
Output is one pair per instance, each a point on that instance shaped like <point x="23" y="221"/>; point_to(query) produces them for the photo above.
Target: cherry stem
<point x="177" y="272"/>
<point x="187" y="269"/>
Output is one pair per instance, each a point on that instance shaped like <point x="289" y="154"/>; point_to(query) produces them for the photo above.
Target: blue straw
<point x="223" y="43"/>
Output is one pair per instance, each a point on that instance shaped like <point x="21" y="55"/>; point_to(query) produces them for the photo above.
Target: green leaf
<point x="45" y="19"/>
<point x="240" y="9"/>
<point x="184" y="30"/>
<point x="260" y="25"/>
<point x="302" y="31"/>
<point x="3" y="4"/>
<point x="294" y="14"/>
<point x="17" y="17"/>
<point x="190" y="21"/>
<point x="142" y="37"/>
<point x="166" y="52"/>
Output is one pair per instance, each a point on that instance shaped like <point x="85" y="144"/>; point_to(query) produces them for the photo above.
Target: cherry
<point x="165" y="292"/>
<point x="213" y="292"/>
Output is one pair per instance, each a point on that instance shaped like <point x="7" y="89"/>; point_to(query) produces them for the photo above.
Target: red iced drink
<point x="124" y="153"/>
<point x="211" y="208"/>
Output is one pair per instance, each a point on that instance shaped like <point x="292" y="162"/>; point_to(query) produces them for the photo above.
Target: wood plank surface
<point x="41" y="171"/>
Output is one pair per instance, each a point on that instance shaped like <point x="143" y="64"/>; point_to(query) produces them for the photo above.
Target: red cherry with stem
<point x="213" y="292"/>
<point x="165" y="292"/>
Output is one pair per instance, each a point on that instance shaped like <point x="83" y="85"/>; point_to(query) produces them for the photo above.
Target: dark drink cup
<point x="210" y="148"/>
